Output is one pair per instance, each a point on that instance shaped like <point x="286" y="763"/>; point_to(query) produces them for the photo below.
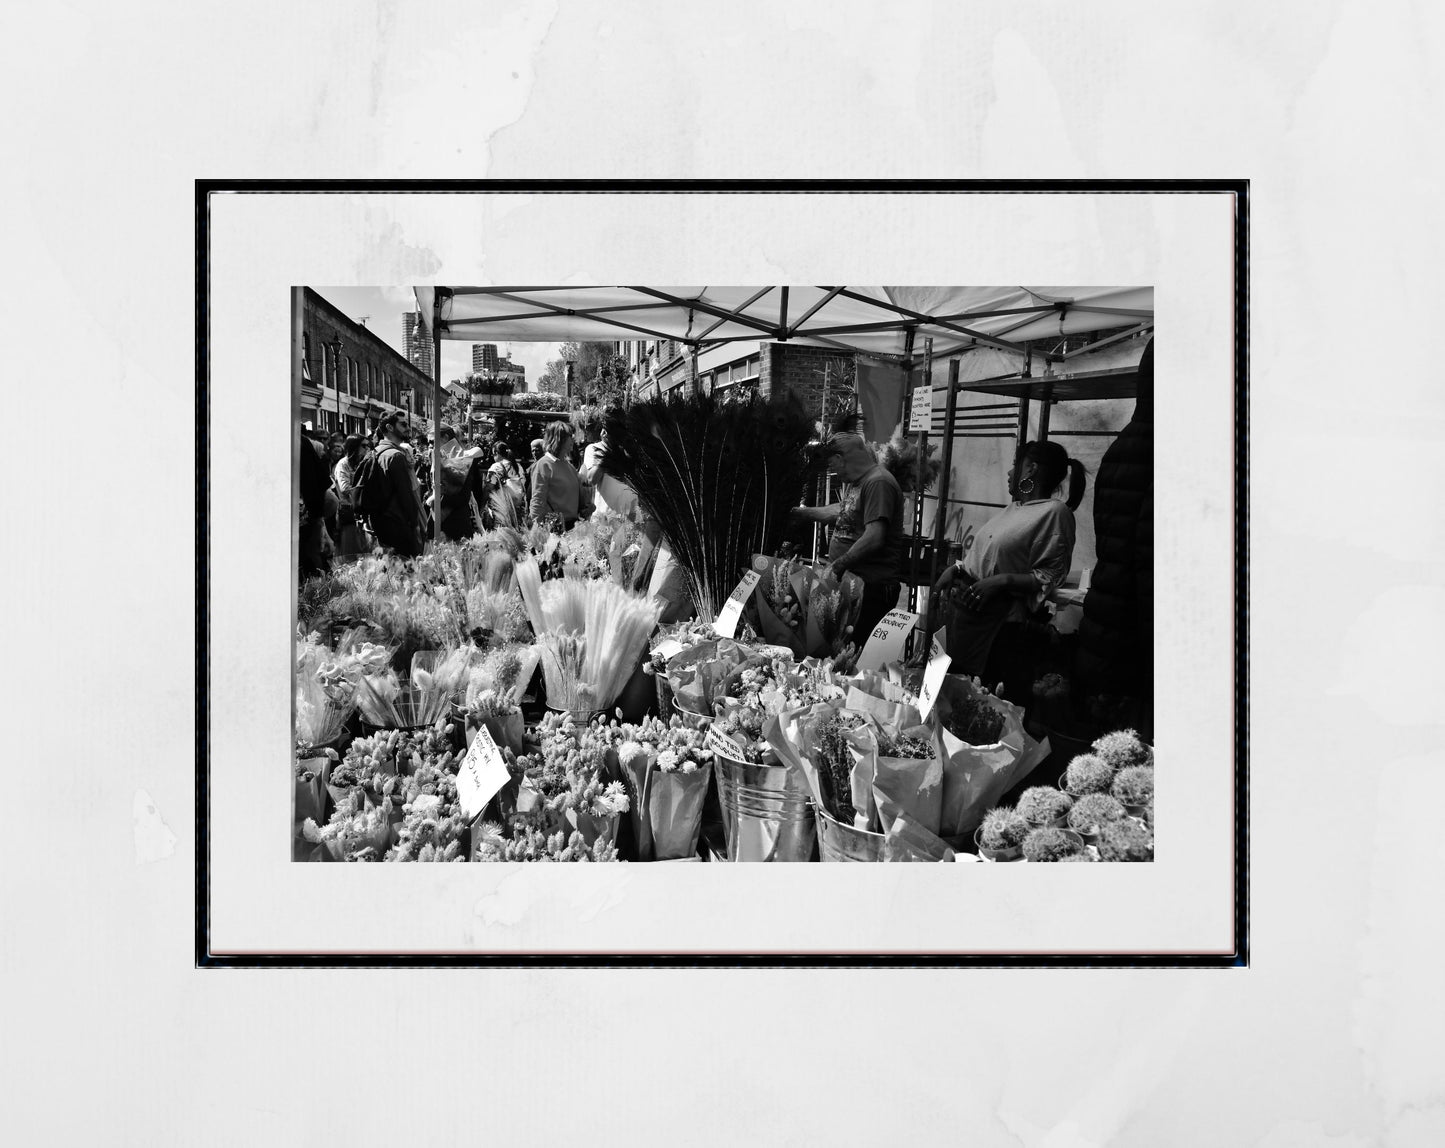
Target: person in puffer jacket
<point x="1116" y="636"/>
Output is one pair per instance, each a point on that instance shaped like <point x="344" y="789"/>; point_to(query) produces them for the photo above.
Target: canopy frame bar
<point x="818" y="306"/>
<point x="708" y="309"/>
<point x="563" y="311"/>
<point x="1129" y="334"/>
<point x="927" y="319"/>
<point x="735" y="312"/>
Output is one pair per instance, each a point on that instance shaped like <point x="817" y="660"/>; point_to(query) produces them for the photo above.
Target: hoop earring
<point x="1029" y="489"/>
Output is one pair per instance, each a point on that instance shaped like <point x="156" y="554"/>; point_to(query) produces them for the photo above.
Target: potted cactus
<point x="1123" y="749"/>
<point x="1126" y="840"/>
<point x="1001" y="836"/>
<point x="1040" y="805"/>
<point x="1092" y="812"/>
<point x="1085" y="855"/>
<point x="1087" y="773"/>
<point x="1050" y="844"/>
<point x="1134" y="786"/>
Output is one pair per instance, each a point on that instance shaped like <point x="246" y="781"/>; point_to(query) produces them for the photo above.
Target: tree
<point x="599" y="373"/>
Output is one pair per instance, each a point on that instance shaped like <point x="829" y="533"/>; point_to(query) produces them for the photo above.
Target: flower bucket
<point x="839" y="842"/>
<point x="690" y="719"/>
<point x="1014" y="854"/>
<point x="767" y="811"/>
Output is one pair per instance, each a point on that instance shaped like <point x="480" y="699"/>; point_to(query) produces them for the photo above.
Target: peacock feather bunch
<point x="718" y="476"/>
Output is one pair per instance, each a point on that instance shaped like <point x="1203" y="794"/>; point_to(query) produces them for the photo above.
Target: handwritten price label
<point x="885" y="643"/>
<point x="932" y="682"/>
<point x="732" y="612"/>
<point x="481" y="775"/>
<point x="719" y="742"/>
<point x="920" y="415"/>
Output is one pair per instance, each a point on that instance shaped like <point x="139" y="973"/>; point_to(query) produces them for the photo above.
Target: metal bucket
<point x="766" y="811"/>
<point x="839" y="842"/>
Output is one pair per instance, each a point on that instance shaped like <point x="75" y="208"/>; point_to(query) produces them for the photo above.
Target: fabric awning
<point x="871" y="320"/>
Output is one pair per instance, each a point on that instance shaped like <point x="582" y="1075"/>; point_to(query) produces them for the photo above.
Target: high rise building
<point x="416" y="343"/>
<point x="484" y="356"/>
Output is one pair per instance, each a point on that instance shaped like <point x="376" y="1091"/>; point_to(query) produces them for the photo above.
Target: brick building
<point x="822" y="376"/>
<point x="351" y="375"/>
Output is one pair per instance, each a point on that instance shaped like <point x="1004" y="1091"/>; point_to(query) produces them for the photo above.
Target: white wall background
<point x="1331" y="1038"/>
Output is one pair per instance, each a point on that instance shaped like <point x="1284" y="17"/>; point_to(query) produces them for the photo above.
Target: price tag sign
<point x="920" y="413"/>
<point x="939" y="643"/>
<point x="481" y="775"/>
<point x="719" y="742"/>
<point x="932" y="681"/>
<point x="667" y="649"/>
<point x="731" y="613"/>
<point x="885" y="643"/>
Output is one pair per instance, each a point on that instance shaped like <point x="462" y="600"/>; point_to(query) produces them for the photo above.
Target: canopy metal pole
<point x="436" y="419"/>
<point x="918" y="477"/>
<point x="945" y="470"/>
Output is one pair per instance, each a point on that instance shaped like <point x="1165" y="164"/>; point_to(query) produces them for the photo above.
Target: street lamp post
<point x="335" y="371"/>
<point x="570" y="363"/>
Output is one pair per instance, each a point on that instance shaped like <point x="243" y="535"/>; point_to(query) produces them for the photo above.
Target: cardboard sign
<point x="885" y="644"/>
<point x="939" y="644"/>
<point x="932" y="681"/>
<point x="920" y="412"/>
<point x="731" y="613"/>
<point x="719" y="742"/>
<point x="667" y="649"/>
<point x="481" y="774"/>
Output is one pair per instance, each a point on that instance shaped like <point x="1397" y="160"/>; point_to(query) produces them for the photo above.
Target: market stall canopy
<point x="871" y="320"/>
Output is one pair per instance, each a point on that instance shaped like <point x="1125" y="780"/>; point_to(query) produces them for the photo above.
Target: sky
<point x="386" y="305"/>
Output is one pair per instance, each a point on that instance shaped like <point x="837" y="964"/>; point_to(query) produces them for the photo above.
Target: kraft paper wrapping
<point x="909" y="841"/>
<point x="976" y="776"/>
<point x="674" y="811"/>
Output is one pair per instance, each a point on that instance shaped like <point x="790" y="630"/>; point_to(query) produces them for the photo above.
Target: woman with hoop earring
<point x="1015" y="561"/>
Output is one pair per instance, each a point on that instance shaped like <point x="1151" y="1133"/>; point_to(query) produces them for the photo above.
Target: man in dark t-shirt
<point x="867" y="528"/>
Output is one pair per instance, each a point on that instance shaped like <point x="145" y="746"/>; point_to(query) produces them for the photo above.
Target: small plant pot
<point x="1089" y="836"/>
<point x="1137" y="812"/>
<point x="1016" y="853"/>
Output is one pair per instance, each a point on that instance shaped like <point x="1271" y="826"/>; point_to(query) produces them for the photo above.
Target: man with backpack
<point x="390" y="494"/>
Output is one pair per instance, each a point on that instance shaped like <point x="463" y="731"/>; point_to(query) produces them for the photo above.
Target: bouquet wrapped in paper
<point x="494" y="694"/>
<point x="986" y="751"/>
<point x="668" y="643"/>
<point x="577" y="787"/>
<point x="312" y="773"/>
<point x="664" y="766"/>
<point x="810" y="612"/>
<point x="698" y="676"/>
<point x="353" y="835"/>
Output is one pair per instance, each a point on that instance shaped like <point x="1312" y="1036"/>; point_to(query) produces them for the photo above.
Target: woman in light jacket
<point x="556" y="489"/>
<point x="1013" y="563"/>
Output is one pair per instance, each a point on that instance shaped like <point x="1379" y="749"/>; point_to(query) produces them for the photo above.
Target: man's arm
<point x="590" y="471"/>
<point x="870" y="541"/>
<point x="827" y="515"/>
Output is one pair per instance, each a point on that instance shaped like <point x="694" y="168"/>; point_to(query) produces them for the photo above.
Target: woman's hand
<point x="978" y="596"/>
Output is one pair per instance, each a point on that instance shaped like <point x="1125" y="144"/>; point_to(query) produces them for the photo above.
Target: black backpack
<point x="370" y="484"/>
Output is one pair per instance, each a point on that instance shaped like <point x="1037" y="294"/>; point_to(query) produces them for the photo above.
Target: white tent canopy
<point x="883" y="321"/>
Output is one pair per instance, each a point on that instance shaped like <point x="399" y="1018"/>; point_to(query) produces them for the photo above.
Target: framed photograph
<point x="506" y="565"/>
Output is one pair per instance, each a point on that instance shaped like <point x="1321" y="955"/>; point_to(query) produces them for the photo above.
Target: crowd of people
<point x="363" y="491"/>
<point x="359" y="492"/>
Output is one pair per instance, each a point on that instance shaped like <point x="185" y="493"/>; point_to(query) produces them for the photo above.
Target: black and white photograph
<point x="742" y="573"/>
<point x="822" y="471"/>
<point x="665" y="575"/>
